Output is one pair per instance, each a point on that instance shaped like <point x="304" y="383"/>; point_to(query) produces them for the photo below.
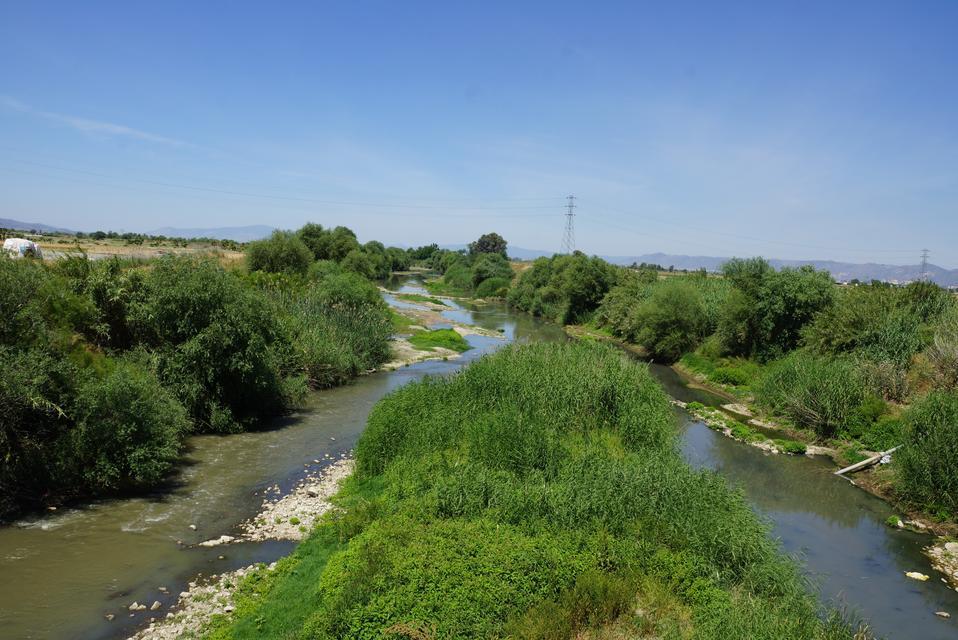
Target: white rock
<point x="942" y="614"/>
<point x="193" y="527"/>
<point x="217" y="541"/>
<point x="135" y="606"/>
<point x="914" y="575"/>
<point x="951" y="547"/>
<point x="156" y="605"/>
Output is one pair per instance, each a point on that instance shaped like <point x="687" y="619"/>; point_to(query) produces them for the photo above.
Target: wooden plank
<point x="867" y="462"/>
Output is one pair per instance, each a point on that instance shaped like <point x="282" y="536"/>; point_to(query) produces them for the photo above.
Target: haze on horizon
<point x="814" y="130"/>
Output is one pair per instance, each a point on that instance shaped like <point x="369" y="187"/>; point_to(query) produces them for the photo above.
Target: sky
<point x="806" y="130"/>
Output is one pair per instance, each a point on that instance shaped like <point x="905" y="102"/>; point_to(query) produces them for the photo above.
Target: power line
<point x="568" y="237"/>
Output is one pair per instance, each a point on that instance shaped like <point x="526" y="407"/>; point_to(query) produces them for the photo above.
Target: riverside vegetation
<point x="539" y="493"/>
<point x="865" y="367"/>
<point x="109" y="365"/>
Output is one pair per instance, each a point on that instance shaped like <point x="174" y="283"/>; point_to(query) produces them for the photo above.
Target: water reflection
<point x="837" y="530"/>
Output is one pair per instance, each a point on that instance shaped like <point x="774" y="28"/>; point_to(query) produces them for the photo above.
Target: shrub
<point x="766" y="311"/>
<point x="792" y="447"/>
<point x="493" y="288"/>
<point x="943" y="352"/>
<point x="671" y="322"/>
<point x="927" y="464"/>
<point x="829" y="396"/>
<point x="490" y="265"/>
<point x="564" y="288"/>
<point x="885" y="433"/>
<point x="129" y="430"/>
<point x="339" y="328"/>
<point x="359" y="262"/>
<point x="216" y="344"/>
<point x="730" y="375"/>
<point x="282" y="252"/>
<point x="443" y="338"/>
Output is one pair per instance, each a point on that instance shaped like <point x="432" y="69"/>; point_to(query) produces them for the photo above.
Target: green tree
<point x="766" y="310"/>
<point x="359" y="262"/>
<point x="490" y="265"/>
<point x="282" y="252"/>
<point x="671" y="322"/>
<point x="489" y="243"/>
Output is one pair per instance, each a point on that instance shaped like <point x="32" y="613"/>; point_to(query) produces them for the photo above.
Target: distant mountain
<point x="6" y="223"/>
<point x="239" y="234"/>
<point x="841" y="271"/>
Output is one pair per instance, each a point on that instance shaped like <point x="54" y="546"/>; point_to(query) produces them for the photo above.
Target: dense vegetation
<point x="537" y="494"/>
<point x="840" y="362"/>
<point x="109" y="365"/>
<point x="483" y="272"/>
<point x="564" y="288"/>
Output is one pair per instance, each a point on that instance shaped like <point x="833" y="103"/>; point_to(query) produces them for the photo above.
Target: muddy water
<point x="61" y="573"/>
<point x="837" y="530"/>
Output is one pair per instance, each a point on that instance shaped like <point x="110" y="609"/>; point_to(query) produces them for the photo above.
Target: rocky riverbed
<point x="288" y="517"/>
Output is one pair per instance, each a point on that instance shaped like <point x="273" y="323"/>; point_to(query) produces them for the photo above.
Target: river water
<point x="61" y="573"/>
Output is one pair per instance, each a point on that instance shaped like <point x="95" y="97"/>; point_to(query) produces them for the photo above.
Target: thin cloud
<point x="85" y="125"/>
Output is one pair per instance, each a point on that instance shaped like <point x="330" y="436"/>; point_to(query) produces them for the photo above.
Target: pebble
<point x="193" y="527"/>
<point x="943" y="614"/>
<point x="156" y="605"/>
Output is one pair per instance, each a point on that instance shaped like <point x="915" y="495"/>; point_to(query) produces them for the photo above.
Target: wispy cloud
<point x="86" y="125"/>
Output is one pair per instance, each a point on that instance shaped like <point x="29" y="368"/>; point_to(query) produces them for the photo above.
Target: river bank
<point x="289" y="517"/>
<point x="738" y="419"/>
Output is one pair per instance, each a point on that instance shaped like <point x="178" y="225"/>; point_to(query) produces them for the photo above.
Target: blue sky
<point x="792" y="130"/>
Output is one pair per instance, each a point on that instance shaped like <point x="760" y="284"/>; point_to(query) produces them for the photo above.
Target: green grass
<point x="445" y="338"/>
<point x="539" y="493"/>
<point x="418" y="297"/>
<point x="737" y="373"/>
<point x="400" y="323"/>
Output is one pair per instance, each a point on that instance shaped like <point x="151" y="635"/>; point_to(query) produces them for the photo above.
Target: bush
<point x="490" y="265"/>
<point x="216" y="344"/>
<point x="359" y="262"/>
<point x="129" y="430"/>
<point x="829" y="396"/>
<point x="943" y="352"/>
<point x="730" y="375"/>
<point x="282" y="252"/>
<point x="927" y="464"/>
<point x="885" y="433"/>
<point x="671" y="322"/>
<point x="766" y="311"/>
<point x="442" y="338"/>
<point x="564" y="288"/>
<point x="493" y="288"/>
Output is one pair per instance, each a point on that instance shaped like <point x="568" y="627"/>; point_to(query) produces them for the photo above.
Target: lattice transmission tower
<point x="924" y="264"/>
<point x="568" y="238"/>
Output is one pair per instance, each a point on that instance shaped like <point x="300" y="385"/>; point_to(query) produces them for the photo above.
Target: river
<point x="61" y="573"/>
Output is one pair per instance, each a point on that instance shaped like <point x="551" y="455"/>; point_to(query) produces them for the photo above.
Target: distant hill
<point x="239" y="234"/>
<point x="6" y="223"/>
<point x="841" y="271"/>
